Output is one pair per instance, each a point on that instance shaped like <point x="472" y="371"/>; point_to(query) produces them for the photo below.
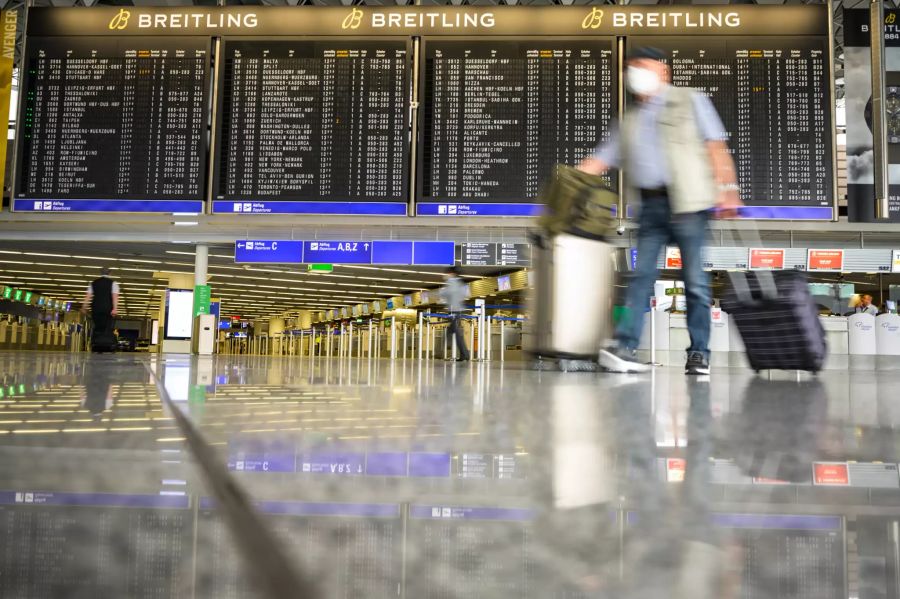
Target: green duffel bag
<point x="577" y="203"/>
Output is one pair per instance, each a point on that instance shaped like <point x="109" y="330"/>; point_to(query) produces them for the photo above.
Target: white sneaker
<point x="616" y="359"/>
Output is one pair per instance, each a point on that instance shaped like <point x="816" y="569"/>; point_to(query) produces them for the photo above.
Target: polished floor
<point x="141" y="476"/>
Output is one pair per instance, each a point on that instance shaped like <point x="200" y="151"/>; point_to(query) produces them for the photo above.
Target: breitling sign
<point x="438" y="20"/>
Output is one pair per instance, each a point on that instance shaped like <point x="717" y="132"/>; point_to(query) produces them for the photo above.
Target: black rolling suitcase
<point x="103" y="338"/>
<point x="778" y="320"/>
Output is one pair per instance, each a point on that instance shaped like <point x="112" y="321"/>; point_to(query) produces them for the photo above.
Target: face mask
<point x="642" y="82"/>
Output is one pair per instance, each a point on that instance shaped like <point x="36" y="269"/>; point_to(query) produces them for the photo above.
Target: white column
<point x="201" y="264"/>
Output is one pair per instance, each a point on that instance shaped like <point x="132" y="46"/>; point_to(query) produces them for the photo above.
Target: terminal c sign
<point x="418" y="20"/>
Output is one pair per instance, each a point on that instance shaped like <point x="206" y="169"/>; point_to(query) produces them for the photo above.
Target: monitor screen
<point x="179" y="313"/>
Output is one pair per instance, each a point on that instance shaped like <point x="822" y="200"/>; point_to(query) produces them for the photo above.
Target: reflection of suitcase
<point x="571" y="311"/>
<point x="778" y="320"/>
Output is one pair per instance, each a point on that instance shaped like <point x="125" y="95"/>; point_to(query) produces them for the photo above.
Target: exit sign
<point x="321" y="268"/>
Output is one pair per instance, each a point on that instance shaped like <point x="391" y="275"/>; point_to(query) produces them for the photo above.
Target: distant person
<point x="672" y="150"/>
<point x="102" y="297"/>
<point x="866" y="306"/>
<point x="453" y="294"/>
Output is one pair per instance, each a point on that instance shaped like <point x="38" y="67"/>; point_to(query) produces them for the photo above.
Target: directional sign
<point x="479" y="254"/>
<point x="268" y="252"/>
<point x="434" y="253"/>
<point x="392" y="252"/>
<point x="514" y="254"/>
<point x="338" y="252"/>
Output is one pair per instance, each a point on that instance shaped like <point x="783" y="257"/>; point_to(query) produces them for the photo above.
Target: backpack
<point x="577" y="203"/>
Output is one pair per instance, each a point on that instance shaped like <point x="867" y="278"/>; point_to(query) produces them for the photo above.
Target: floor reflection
<point x="439" y="480"/>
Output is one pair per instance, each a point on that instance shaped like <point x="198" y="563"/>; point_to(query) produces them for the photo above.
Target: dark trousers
<point x="455" y="329"/>
<point x="104" y="324"/>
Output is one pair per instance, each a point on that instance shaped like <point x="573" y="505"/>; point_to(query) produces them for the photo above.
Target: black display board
<point x="499" y="114"/>
<point x="346" y="554"/>
<point x="113" y="124"/>
<point x="94" y="550"/>
<point x="306" y="123"/>
<point x="773" y="94"/>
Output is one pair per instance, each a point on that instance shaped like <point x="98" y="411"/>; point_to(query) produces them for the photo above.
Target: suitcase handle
<point x="765" y="279"/>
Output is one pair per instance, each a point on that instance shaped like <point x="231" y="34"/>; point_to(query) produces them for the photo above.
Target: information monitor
<point x="774" y="99"/>
<point x="113" y="124"/>
<point x="499" y="114"/>
<point x="306" y="125"/>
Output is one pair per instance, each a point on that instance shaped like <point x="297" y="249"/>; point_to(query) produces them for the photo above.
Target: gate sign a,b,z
<point x="338" y="252"/>
<point x="268" y="251"/>
<point x="766" y="259"/>
<point x="825" y="260"/>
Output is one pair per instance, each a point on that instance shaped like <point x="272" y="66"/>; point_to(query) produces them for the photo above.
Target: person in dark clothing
<point x="102" y="296"/>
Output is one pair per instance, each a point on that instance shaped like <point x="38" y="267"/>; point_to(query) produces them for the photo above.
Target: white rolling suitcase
<point x="572" y="301"/>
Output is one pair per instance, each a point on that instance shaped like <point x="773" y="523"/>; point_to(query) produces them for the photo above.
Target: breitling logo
<point x="593" y="20"/>
<point x="120" y="20"/>
<point x="353" y="20"/>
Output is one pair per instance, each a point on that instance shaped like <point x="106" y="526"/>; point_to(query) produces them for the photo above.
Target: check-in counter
<point x="887" y="340"/>
<point x="861" y="341"/>
<point x="838" y="340"/>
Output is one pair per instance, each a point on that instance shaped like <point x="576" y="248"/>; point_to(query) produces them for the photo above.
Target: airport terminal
<point x="434" y="300"/>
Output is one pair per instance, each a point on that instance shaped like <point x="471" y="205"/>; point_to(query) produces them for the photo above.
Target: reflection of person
<point x="672" y="149"/>
<point x="453" y="294"/>
<point x="98" y="389"/>
<point x="102" y="296"/>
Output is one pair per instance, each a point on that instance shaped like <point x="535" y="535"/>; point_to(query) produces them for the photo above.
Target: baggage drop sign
<point x="765" y="259"/>
<point x="825" y="260"/>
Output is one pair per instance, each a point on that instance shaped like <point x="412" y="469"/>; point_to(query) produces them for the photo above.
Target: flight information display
<point x="774" y="100"/>
<point x="103" y="545"/>
<point x="499" y="114"/>
<point x="308" y="123"/>
<point x="113" y="124"/>
<point x="350" y="550"/>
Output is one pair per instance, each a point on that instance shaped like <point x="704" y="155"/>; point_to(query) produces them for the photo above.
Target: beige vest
<point x="692" y="187"/>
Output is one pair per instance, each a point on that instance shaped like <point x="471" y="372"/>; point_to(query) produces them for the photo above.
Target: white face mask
<point x="642" y="82"/>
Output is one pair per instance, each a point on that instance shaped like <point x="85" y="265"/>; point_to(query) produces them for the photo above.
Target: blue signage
<point x="434" y="253"/>
<point x="438" y="209"/>
<point x="441" y="512"/>
<point x="302" y="508"/>
<point x="181" y="501"/>
<point x="346" y="463"/>
<point x="346" y="208"/>
<point x="160" y="206"/>
<point x="429" y="464"/>
<point x="337" y="252"/>
<point x="392" y="252"/>
<point x="268" y="251"/>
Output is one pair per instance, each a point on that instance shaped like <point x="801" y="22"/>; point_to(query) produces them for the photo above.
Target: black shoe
<point x="617" y="359"/>
<point x="697" y="363"/>
<point x="462" y="359"/>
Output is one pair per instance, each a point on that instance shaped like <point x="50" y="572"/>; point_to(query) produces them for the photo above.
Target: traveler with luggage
<point x="102" y="296"/>
<point x="672" y="149"/>
<point x="453" y="294"/>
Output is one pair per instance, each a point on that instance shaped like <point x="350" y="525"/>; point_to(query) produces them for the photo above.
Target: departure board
<point x="774" y="100"/>
<point x="312" y="121"/>
<point x="113" y="119"/>
<point x="499" y="114"/>
<point x="350" y="550"/>
<point x="94" y="545"/>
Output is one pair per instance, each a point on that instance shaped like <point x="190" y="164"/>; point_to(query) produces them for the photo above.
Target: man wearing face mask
<point x="672" y="149"/>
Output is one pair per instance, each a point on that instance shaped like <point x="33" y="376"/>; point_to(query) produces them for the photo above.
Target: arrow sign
<point x="337" y="252"/>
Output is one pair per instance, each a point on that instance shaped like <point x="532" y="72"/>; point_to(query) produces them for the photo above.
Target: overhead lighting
<point x="185" y="223"/>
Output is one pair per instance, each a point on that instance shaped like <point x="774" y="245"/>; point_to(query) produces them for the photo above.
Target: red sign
<point x="675" y="469"/>
<point x="766" y="259"/>
<point x="673" y="259"/>
<point x="828" y="260"/>
<point x="825" y="473"/>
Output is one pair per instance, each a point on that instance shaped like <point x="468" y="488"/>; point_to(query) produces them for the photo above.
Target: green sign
<point x="18" y="295"/>
<point x="7" y="292"/>
<point x="675" y="291"/>
<point x="321" y="268"/>
<point x="27" y="297"/>
<point x="202" y="295"/>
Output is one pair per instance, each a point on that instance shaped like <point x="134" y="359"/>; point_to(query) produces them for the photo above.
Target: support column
<point x="201" y="264"/>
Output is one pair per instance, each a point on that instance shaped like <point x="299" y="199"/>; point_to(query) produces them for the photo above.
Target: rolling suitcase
<point x="778" y="320"/>
<point x="572" y="300"/>
<point x="103" y="338"/>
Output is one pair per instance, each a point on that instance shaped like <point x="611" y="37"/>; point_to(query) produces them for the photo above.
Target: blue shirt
<point x="647" y="166"/>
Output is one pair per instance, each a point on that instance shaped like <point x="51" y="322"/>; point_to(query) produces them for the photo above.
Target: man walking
<point x="672" y="150"/>
<point x="103" y="298"/>
<point x="453" y="294"/>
